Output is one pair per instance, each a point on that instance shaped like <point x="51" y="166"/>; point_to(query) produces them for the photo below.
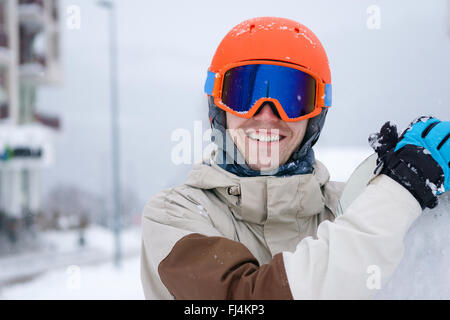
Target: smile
<point x="264" y="137"/>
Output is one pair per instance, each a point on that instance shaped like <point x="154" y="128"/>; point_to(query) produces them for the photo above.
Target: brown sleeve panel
<point x="200" y="267"/>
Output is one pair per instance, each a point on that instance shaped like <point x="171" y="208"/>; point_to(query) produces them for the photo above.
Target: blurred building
<point x="29" y="58"/>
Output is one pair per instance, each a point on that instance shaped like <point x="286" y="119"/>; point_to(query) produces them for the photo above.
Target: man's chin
<point x="264" y="165"/>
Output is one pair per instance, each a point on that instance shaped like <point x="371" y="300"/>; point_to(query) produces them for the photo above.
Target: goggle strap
<point x="327" y="98"/>
<point x="209" y="83"/>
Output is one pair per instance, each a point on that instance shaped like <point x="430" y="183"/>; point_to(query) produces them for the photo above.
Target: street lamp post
<point x="115" y="129"/>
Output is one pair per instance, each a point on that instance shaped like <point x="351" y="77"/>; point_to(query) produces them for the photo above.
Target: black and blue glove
<point x="419" y="159"/>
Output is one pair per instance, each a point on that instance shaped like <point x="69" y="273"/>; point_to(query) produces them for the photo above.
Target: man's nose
<point x="267" y="112"/>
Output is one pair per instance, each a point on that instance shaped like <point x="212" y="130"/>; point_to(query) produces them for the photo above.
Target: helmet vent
<point x="297" y="30"/>
<point x="252" y="27"/>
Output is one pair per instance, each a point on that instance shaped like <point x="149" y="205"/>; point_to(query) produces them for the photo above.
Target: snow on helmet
<point x="271" y="38"/>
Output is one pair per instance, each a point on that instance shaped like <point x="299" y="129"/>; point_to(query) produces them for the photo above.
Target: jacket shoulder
<point x="179" y="201"/>
<point x="190" y="208"/>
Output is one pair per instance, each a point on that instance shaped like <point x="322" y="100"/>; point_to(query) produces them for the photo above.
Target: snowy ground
<point x="423" y="274"/>
<point x="63" y="270"/>
<point x="97" y="282"/>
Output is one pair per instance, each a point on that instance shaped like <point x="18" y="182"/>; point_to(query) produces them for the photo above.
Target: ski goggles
<point x="241" y="88"/>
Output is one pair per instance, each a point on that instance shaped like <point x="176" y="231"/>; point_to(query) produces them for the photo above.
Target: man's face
<point x="264" y="140"/>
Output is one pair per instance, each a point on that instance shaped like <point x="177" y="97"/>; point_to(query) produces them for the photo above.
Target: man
<point x="258" y="220"/>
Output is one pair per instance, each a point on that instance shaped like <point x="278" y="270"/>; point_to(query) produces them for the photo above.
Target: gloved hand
<point x="419" y="160"/>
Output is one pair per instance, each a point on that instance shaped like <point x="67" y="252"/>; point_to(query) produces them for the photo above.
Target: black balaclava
<point x="300" y="162"/>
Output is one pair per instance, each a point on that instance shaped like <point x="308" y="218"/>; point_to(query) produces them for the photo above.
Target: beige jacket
<point x="220" y="236"/>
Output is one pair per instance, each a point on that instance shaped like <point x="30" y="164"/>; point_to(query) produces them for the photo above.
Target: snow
<point x="413" y="169"/>
<point x="309" y="39"/>
<point x="424" y="271"/>
<point x="91" y="283"/>
<point x="374" y="141"/>
<point x="423" y="119"/>
<point x="434" y="188"/>
<point x="60" y="269"/>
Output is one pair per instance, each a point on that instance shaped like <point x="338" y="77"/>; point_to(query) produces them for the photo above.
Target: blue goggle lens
<point x="293" y="88"/>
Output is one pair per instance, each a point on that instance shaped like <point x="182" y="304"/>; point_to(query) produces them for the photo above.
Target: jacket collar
<point x="264" y="199"/>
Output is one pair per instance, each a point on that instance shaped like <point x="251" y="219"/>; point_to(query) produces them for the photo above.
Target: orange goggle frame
<point x="214" y="86"/>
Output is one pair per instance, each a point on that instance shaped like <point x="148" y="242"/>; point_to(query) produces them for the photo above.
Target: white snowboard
<point x="424" y="272"/>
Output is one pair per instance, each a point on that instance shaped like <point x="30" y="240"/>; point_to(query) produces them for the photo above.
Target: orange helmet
<point x="272" y="38"/>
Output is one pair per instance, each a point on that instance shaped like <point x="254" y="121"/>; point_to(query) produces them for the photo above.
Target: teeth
<point x="264" y="138"/>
